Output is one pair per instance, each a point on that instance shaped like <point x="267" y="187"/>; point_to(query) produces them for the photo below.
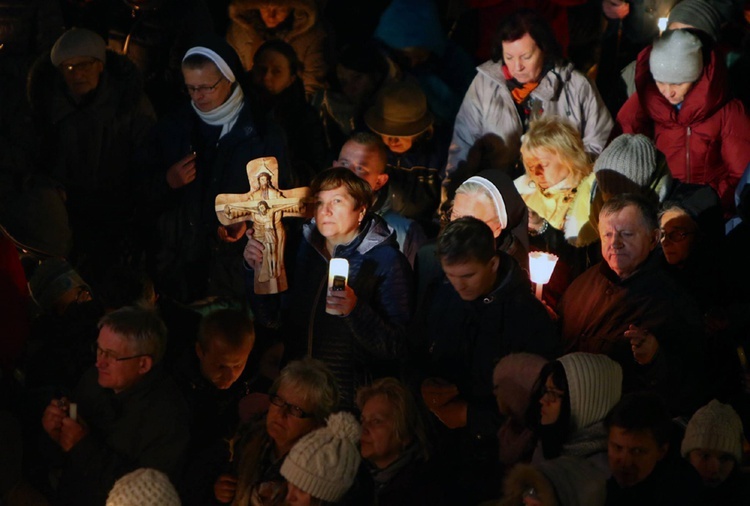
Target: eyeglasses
<point x="191" y="90"/>
<point x="83" y="66"/>
<point x="552" y="395"/>
<point x="675" y="235"/>
<point x="293" y="410"/>
<point x="110" y="356"/>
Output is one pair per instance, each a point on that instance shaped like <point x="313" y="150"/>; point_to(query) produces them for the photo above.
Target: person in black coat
<point x="195" y="154"/>
<point x="481" y="311"/>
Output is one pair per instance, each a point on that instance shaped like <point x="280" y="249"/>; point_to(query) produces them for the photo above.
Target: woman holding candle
<point x="362" y="323"/>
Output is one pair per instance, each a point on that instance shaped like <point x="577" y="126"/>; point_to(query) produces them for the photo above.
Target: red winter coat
<point x="707" y="141"/>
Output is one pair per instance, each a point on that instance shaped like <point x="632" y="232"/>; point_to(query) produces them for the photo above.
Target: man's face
<point x="263" y="181"/>
<point x="472" y="279"/>
<point x="81" y="74"/>
<point x="119" y="375"/>
<point x="207" y="87"/>
<point x="366" y="162"/>
<point x="626" y="240"/>
<point x="222" y="364"/>
<point x="633" y="455"/>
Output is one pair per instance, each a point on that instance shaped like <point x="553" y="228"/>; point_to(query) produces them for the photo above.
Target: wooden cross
<point x="265" y="205"/>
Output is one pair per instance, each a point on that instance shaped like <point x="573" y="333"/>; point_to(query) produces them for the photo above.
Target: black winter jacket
<point x="355" y="345"/>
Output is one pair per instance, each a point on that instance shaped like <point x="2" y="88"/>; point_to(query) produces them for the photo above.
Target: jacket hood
<point x="48" y="96"/>
<point x="550" y="85"/>
<point x="374" y="232"/>
<point x="246" y="13"/>
<point x="594" y="387"/>
<point x="707" y="96"/>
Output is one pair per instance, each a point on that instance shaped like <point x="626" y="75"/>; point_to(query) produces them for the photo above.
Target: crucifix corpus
<point x="265" y="205"/>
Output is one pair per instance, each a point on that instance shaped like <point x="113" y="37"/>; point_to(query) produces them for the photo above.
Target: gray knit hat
<point x="78" y="42"/>
<point x="715" y="426"/>
<point x="324" y="463"/>
<point x="594" y="387"/>
<point x="629" y="158"/>
<point x="143" y="487"/>
<point x="676" y="58"/>
<point x="699" y="14"/>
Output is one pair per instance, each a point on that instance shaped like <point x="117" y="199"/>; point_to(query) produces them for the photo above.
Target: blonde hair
<point x="560" y="138"/>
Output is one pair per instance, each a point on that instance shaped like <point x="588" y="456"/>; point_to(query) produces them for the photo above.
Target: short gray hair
<point x="314" y="381"/>
<point x="139" y="326"/>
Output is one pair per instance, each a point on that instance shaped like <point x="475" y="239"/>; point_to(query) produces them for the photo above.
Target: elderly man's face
<point x="81" y="74"/>
<point x="118" y="363"/>
<point x="626" y="240"/>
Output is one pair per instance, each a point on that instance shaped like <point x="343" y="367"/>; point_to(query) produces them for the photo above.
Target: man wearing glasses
<point x="126" y="413"/>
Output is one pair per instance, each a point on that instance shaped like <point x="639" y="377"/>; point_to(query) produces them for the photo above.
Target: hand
<point x="453" y="414"/>
<point x="182" y="172"/>
<point x="615" y="9"/>
<point x="341" y="301"/>
<point x="71" y="433"/>
<point x="643" y="343"/>
<point x="253" y="250"/>
<point x="437" y="392"/>
<point x="53" y="417"/>
<point x="225" y="488"/>
<point x="233" y="232"/>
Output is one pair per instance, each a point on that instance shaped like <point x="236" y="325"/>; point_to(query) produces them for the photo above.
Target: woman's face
<point x="398" y="144"/>
<point x="357" y="86"/>
<point x="207" y="87"/>
<point x="271" y="71"/>
<point x="678" y="233"/>
<point x="297" y="497"/>
<point x="551" y="402"/>
<point x="273" y="15"/>
<point x="379" y="443"/>
<point x="674" y="93"/>
<point x="336" y="216"/>
<point x="713" y="466"/>
<point x="479" y="207"/>
<point x="545" y="168"/>
<point x="281" y="424"/>
<point x="524" y="59"/>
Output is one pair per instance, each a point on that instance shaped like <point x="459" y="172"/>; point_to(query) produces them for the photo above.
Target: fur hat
<point x="324" y="463"/>
<point x="78" y="42"/>
<point x="143" y="487"/>
<point x="676" y="57"/>
<point x="715" y="426"/>
<point x="400" y="111"/>
<point x="594" y="387"/>
<point x="699" y="14"/>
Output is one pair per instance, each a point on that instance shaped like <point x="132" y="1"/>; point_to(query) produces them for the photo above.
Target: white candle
<point x="338" y="275"/>
<point x="541" y="265"/>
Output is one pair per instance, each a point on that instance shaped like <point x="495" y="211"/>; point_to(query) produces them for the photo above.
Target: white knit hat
<point x="324" y="463"/>
<point x="78" y="42"/>
<point x="594" y="387"/>
<point x="676" y="58"/>
<point x="143" y="487"/>
<point x="715" y="426"/>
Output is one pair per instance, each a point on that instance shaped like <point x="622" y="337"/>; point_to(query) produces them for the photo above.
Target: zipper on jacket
<point x="687" y="155"/>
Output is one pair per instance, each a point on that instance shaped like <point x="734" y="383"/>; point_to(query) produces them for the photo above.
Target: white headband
<point x="497" y="198"/>
<point x="214" y="57"/>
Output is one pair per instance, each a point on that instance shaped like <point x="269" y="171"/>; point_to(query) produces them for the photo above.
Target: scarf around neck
<point x="226" y="114"/>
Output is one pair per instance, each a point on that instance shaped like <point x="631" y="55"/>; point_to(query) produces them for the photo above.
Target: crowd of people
<point x="179" y="178"/>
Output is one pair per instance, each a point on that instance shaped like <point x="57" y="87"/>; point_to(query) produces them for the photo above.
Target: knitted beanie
<point x="514" y="378"/>
<point x="143" y="487"/>
<point x="78" y="42"/>
<point x="325" y="461"/>
<point x="594" y="387"/>
<point x="676" y="58"/>
<point x="630" y="155"/>
<point x="699" y="14"/>
<point x="715" y="426"/>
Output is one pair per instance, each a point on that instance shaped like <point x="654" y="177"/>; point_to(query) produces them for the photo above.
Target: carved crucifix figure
<point x="265" y="205"/>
